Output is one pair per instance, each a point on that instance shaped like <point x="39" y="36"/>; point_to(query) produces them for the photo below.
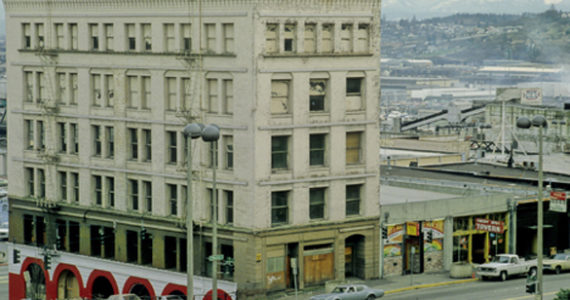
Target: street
<point x="512" y="289"/>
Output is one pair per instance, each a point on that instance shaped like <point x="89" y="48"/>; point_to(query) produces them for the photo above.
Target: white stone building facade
<point x="99" y="92"/>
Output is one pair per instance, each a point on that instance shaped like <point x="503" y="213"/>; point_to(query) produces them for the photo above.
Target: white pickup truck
<point x="505" y="265"/>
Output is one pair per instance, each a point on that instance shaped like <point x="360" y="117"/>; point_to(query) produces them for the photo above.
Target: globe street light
<point x="526" y="123"/>
<point x="211" y="133"/>
<point x="191" y="131"/>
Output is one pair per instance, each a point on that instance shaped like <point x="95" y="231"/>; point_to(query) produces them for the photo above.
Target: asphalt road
<point x="512" y="289"/>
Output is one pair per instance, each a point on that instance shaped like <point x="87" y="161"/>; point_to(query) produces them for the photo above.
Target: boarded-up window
<point x="353" y="147"/>
<point x="271" y="38"/>
<point x="169" y="37"/>
<point x="354" y="93"/>
<point x="362" y="36"/>
<point x="228" y="31"/>
<point x="228" y="103"/>
<point x="280" y="96"/>
<point x="210" y="37"/>
<point x="317" y="94"/>
<point x="327" y="38"/>
<point x="310" y="37"/>
<point x="346" y="38"/>
<point x="213" y="95"/>
<point x="171" y="93"/>
<point x="289" y="41"/>
<point x="275" y="264"/>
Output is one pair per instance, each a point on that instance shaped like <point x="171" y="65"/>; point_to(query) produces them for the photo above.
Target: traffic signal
<point x="531" y="281"/>
<point x="143" y="233"/>
<point x="16" y="256"/>
<point x="47" y="261"/>
<point x="430" y="236"/>
<point x="384" y="232"/>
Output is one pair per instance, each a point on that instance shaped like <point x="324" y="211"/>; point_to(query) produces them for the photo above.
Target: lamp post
<point x="525" y="123"/>
<point x="191" y="131"/>
<point x="211" y="133"/>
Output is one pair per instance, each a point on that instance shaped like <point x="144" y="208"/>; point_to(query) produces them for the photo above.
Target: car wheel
<point x="483" y="278"/>
<point x="557" y="270"/>
<point x="503" y="276"/>
<point x="371" y="297"/>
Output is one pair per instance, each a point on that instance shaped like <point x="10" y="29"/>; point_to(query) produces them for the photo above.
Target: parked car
<point x="351" y="292"/>
<point x="558" y="263"/>
<point x="504" y="266"/>
<point x="124" y="297"/>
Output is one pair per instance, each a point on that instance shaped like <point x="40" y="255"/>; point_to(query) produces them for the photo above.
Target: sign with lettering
<point x="412" y="228"/>
<point x="558" y="201"/>
<point x="531" y="96"/>
<point x="489" y="225"/>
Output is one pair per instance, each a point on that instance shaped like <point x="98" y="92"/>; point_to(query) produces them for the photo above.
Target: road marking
<point x="531" y="296"/>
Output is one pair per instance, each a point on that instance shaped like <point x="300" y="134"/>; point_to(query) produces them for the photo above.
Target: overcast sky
<point x="397" y="9"/>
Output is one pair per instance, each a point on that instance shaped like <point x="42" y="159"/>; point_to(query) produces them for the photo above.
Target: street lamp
<point x="211" y="133"/>
<point x="191" y="131"/>
<point x="540" y="122"/>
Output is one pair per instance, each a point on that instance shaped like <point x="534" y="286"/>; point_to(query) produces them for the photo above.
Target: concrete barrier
<point x="461" y="270"/>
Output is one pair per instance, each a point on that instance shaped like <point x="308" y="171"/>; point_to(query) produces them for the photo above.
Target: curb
<point x="429" y="285"/>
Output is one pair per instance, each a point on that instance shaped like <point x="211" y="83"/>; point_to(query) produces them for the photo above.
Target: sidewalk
<point x="390" y="285"/>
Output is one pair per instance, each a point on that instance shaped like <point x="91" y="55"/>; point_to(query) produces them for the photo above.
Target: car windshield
<point x="339" y="290"/>
<point x="501" y="259"/>
<point x="559" y="256"/>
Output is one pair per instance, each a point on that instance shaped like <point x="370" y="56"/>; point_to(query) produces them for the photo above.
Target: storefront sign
<point x="558" y="201"/>
<point x="531" y="96"/>
<point x="412" y="228"/>
<point x="489" y="225"/>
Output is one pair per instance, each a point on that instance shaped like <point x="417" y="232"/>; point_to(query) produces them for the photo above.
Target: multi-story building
<point x="99" y="94"/>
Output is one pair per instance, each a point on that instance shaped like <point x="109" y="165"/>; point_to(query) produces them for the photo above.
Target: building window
<point x="147" y="188"/>
<point x="310" y="38"/>
<point x="229" y="151"/>
<point x="29" y="86"/>
<point x="134" y="194"/>
<point x="271" y="38"/>
<point x="210" y="30"/>
<point x="109" y="40"/>
<point x="317" y="149"/>
<point x="211" y="200"/>
<point x="42" y="135"/>
<point x="62" y="185"/>
<point x="31" y="182"/>
<point x="40" y="77"/>
<point x="327" y="40"/>
<point x="73" y="132"/>
<point x="59" y="36"/>
<point x="362" y="38"/>
<point x="147" y="144"/>
<point x="111" y="191"/>
<point x="62" y="137"/>
<point x="73" y="32"/>
<point x="353" y="147"/>
<point x="279" y="208"/>
<point x="169" y="37"/>
<point x="29" y="128"/>
<point x="346" y="38"/>
<point x="96" y="129"/>
<point x="354" y="93"/>
<point x="96" y="233"/>
<point x="146" y="247"/>
<point x="35" y="137"/>
<point x="170" y="252"/>
<point x="172" y="146"/>
<point x="134" y="143"/>
<point x="96" y="89"/>
<point x="229" y="195"/>
<point x="75" y="186"/>
<point x="98" y="190"/>
<point x="131" y="38"/>
<point x="110" y="140"/>
<point x="147" y="37"/>
<point x="74" y="89"/>
<point x="171" y="93"/>
<point x="289" y="37"/>
<point x="228" y="30"/>
<point x="132" y="246"/>
<point x="317" y="94"/>
<point x="186" y="37"/>
<point x="94" y="36"/>
<point x="110" y="86"/>
<point x="40" y="36"/>
<point x="27" y="36"/>
<point x="228" y="100"/>
<point x="133" y="88"/>
<point x="213" y="95"/>
<point x="279" y="152"/>
<point x="186" y="94"/>
<point x="61" y="79"/>
<point x="353" y="199"/>
<point x="42" y="183"/>
<point x="280" y="96"/>
<point x="317" y="203"/>
<point x="172" y="199"/>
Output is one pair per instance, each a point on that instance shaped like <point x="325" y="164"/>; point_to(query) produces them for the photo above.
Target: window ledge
<point x="338" y="54"/>
<point x="55" y="52"/>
